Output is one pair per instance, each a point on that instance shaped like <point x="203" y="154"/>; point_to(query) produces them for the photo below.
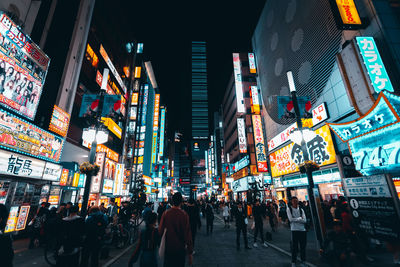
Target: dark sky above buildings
<point x="167" y="29"/>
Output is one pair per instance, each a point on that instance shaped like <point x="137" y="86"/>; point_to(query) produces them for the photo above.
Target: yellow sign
<point x="138" y="71"/>
<point x="348" y="12"/>
<point x="75" y="181"/>
<point x="320" y="149"/>
<point x="112" y="126"/>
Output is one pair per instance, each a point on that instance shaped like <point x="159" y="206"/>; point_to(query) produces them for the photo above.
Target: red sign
<point x="261" y="156"/>
<point x="59" y="121"/>
<point x="64" y="177"/>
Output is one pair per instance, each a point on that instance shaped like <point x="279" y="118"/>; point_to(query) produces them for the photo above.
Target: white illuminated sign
<point x="241" y="135"/>
<point x="238" y="83"/>
<point x="18" y="165"/>
<point x="252" y="63"/>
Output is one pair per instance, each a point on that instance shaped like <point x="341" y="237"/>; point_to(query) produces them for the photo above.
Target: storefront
<point x="239" y="188"/>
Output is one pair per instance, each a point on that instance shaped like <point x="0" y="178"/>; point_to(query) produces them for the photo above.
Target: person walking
<point x="241" y="225"/>
<point x="37" y="224"/>
<point x="178" y="242"/>
<point x="112" y="211"/>
<point x="259" y="215"/>
<point x="194" y="218"/>
<point x="160" y="211"/>
<point x="95" y="226"/>
<point x="149" y="240"/>
<point x="297" y="219"/>
<point x="6" y="249"/>
<point x="225" y="214"/>
<point x="72" y="231"/>
<point x="209" y="218"/>
<point x="273" y="221"/>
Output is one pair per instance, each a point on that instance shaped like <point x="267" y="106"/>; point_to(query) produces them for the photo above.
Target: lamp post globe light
<point x="300" y="136"/>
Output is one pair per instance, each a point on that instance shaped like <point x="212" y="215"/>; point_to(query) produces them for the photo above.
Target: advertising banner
<point x="24" y="137"/>
<point x="96" y="180"/>
<point x="373" y="206"/>
<point x="111" y="154"/>
<point x="242" y="135"/>
<point x="133" y="113"/>
<point x="52" y="172"/>
<point x="118" y="180"/>
<point x="238" y="83"/>
<point x="22" y="218"/>
<point x="286" y="107"/>
<point x="17" y="165"/>
<point x="348" y="12"/>
<point x="240" y="185"/>
<point x="261" y="155"/>
<point x="59" y="121"/>
<point x="255" y="100"/>
<point x="109" y="169"/>
<point x="108" y="186"/>
<point x="112" y="68"/>
<point x="64" y="177"/>
<point x="320" y="150"/>
<point x="12" y="219"/>
<point x="156" y="112"/>
<point x="252" y="63"/>
<point x="89" y="106"/>
<point x="145" y="99"/>
<point x="162" y="132"/>
<point x="23" y="69"/>
<point x="112" y="106"/>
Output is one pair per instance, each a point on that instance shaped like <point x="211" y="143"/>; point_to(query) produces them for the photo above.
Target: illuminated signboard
<point x="144" y="105"/>
<point x="240" y="185"/>
<point x="373" y="63"/>
<point x="111" y="154"/>
<point x="22" y="218"/>
<point x="92" y="56"/>
<point x="139" y="49"/>
<point x="135" y="99"/>
<point x="373" y="138"/>
<point x="244" y="162"/>
<point x="113" y="105"/>
<point x="138" y="72"/>
<point x="319" y="114"/>
<point x="112" y="126"/>
<point x="109" y="169"/>
<point x="238" y="83"/>
<point x="162" y="129"/>
<point x="242" y="135"/>
<point x="75" y="180"/>
<point x="252" y="63"/>
<point x="25" y="68"/>
<point x="320" y="150"/>
<point x="118" y="180"/>
<point x="52" y="172"/>
<point x="255" y="100"/>
<point x="156" y="112"/>
<point x="108" y="186"/>
<point x="348" y="12"/>
<point x="96" y="180"/>
<point x="99" y="81"/>
<point x="82" y="179"/>
<point x="18" y="165"/>
<point x="24" y="137"/>
<point x="154" y="148"/>
<point x="206" y="162"/>
<point x="12" y="219"/>
<point x="112" y="68"/>
<point x="261" y="156"/>
<point x="59" y="121"/>
<point x="64" y="177"/>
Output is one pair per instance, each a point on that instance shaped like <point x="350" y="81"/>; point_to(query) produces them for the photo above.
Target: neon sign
<point x="373" y="62"/>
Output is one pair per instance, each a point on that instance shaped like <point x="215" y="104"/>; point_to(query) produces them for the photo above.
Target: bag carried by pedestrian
<point x="161" y="250"/>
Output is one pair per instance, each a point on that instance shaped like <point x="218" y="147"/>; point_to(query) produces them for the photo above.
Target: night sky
<point x="167" y="29"/>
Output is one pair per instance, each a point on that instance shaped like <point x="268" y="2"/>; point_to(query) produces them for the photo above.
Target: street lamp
<point x="89" y="134"/>
<point x="300" y="136"/>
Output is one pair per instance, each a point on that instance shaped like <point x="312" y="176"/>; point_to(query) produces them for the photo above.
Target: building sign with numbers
<point x="17" y="165"/>
<point x="373" y="138"/>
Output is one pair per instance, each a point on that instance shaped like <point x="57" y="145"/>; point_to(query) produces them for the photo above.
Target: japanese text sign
<point x="52" y="172"/>
<point x="64" y="177"/>
<point x="59" y="121"/>
<point x="348" y="12"/>
<point x="320" y="150"/>
<point x="156" y="112"/>
<point x="111" y="154"/>
<point x="145" y="95"/>
<point x="254" y="100"/>
<point x="261" y="155"/>
<point x="24" y="69"/>
<point x="238" y="83"/>
<point x="96" y="180"/>
<point x="373" y="63"/>
<point x="162" y="132"/>
<point x="242" y="135"/>
<point x="112" y="68"/>
<point x="18" y="165"/>
<point x="252" y="63"/>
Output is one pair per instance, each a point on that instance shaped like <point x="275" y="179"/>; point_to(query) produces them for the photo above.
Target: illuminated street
<point x="199" y="133"/>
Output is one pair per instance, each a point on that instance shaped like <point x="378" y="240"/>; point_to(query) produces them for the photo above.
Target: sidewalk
<point x="281" y="241"/>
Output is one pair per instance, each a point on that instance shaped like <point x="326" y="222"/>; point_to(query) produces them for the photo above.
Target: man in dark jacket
<point x="241" y="225"/>
<point x="6" y="250"/>
<point x="259" y="214"/>
<point x="209" y="218"/>
<point x="194" y="218"/>
<point x="95" y="226"/>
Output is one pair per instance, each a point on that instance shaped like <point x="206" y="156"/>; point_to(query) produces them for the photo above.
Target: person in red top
<point x="178" y="241"/>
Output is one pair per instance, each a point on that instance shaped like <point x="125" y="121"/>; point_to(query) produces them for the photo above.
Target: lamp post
<point x="311" y="186"/>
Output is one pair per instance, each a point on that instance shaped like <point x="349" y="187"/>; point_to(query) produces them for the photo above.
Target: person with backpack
<point x="149" y="240"/>
<point x="297" y="218"/>
<point x="95" y="226"/>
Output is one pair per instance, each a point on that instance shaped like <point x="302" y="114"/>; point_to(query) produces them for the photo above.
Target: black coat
<point x="209" y="213"/>
<point x="240" y="217"/>
<point x="194" y="216"/>
<point x="6" y="251"/>
<point x="258" y="213"/>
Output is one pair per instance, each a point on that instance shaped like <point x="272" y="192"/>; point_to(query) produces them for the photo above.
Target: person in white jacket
<point x="297" y="219"/>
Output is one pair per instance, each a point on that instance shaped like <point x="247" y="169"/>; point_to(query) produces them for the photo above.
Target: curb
<point x="113" y="260"/>
<point x="287" y="253"/>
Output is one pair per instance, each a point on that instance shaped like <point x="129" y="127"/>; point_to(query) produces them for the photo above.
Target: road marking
<point x="118" y="256"/>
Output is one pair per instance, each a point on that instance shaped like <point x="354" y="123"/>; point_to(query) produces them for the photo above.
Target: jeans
<point x="210" y="225"/>
<point x="258" y="229"/>
<point x="299" y="238"/>
<point x="242" y="229"/>
<point x="91" y="251"/>
<point x="174" y="259"/>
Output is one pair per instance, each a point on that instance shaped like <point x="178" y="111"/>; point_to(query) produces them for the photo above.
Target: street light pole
<point x="311" y="186"/>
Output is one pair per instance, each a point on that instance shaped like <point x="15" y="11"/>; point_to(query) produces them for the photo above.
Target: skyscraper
<point x="199" y="91"/>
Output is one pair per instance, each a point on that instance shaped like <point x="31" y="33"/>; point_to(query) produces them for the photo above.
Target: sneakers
<point x="255" y="245"/>
<point x="265" y="244"/>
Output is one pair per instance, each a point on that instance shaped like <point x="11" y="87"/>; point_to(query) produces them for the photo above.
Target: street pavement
<point x="219" y="250"/>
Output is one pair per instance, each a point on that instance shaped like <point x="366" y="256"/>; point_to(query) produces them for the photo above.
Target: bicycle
<point x="51" y="252"/>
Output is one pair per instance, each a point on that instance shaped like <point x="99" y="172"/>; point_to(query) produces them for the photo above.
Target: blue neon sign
<point x="162" y="129"/>
<point x="373" y="62"/>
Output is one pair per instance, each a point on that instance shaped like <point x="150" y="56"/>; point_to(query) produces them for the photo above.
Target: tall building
<point x="199" y="91"/>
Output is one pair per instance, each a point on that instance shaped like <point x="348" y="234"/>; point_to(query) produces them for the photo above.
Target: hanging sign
<point x="17" y="165"/>
<point x="238" y="83"/>
<point x="52" y="172"/>
<point x="373" y="63"/>
<point x="12" y="219"/>
<point x="22" y="218"/>
<point x="59" y="121"/>
<point x="96" y="180"/>
<point x="241" y="135"/>
<point x="261" y="155"/>
<point x="252" y="63"/>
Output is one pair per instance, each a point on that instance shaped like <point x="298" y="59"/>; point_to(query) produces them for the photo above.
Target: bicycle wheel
<point x="123" y="238"/>
<point x="50" y="255"/>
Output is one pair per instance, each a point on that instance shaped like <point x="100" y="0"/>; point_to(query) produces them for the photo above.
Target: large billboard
<point x="24" y="137"/>
<point x="261" y="155"/>
<point x="23" y="69"/>
<point x="59" y="121"/>
<point x="238" y="83"/>
<point x="320" y="150"/>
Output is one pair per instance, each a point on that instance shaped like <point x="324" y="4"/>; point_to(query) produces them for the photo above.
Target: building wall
<point x="25" y="10"/>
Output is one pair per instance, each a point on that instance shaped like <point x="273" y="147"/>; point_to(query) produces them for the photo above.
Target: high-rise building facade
<point x="199" y="91"/>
